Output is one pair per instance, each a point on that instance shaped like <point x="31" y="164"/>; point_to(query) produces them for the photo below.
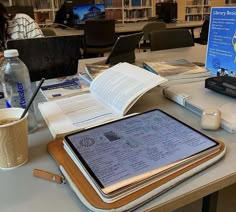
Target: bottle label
<point x="20" y="90"/>
<point x="20" y="99"/>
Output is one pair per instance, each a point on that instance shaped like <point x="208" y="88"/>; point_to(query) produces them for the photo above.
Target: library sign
<point x="221" y="50"/>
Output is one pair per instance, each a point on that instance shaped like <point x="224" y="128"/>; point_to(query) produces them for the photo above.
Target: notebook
<point x="195" y="97"/>
<point x="49" y="57"/>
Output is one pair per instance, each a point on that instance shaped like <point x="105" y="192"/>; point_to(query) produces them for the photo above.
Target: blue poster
<point x="221" y="50"/>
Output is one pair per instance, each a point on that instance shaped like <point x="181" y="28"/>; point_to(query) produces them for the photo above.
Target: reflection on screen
<point x="81" y="13"/>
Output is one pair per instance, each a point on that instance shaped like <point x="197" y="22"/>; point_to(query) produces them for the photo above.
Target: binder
<point x="93" y="202"/>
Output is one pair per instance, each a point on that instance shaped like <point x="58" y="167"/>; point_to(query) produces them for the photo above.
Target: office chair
<point x="170" y="38"/>
<point x="99" y="37"/>
<point x="149" y="27"/>
<point x="204" y="33"/>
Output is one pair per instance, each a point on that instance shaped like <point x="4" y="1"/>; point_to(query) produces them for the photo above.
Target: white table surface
<point x="21" y="192"/>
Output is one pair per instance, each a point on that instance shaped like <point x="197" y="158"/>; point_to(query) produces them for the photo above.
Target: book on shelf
<point x="135" y="152"/>
<point x="178" y="71"/>
<point x="64" y="87"/>
<point x="112" y="94"/>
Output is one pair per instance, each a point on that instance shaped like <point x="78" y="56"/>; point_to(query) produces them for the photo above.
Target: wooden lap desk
<point x="22" y="192"/>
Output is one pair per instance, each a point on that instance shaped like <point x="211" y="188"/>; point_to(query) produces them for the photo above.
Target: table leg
<point x="209" y="202"/>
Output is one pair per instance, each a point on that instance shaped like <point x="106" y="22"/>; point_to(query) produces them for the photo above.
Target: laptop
<point x="49" y="57"/>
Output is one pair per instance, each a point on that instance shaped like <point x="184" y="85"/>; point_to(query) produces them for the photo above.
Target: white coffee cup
<point x="13" y="138"/>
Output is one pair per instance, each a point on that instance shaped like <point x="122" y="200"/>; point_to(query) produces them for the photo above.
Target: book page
<point x="63" y="117"/>
<point x="121" y="85"/>
<point x="136" y="147"/>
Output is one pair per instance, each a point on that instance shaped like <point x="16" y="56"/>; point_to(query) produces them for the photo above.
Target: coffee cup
<point x="13" y="138"/>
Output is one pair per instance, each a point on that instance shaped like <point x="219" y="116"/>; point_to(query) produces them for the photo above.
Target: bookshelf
<point x="197" y="10"/>
<point x="230" y="2"/>
<point x="44" y="10"/>
<point x="129" y="10"/>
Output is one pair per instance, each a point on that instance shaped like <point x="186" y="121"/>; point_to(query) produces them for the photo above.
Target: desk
<point x="133" y="27"/>
<point x="21" y="192"/>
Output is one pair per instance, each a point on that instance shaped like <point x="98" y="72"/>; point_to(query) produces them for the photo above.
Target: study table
<point x="131" y="27"/>
<point x="21" y="192"/>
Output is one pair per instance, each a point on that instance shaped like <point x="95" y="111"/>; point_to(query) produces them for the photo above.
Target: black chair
<point x="204" y="33"/>
<point x="170" y="39"/>
<point x="149" y="27"/>
<point x="99" y="37"/>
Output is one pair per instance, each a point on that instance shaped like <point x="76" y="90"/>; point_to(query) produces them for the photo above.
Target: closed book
<point x="178" y="71"/>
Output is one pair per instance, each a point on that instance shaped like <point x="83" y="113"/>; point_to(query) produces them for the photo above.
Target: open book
<point x="124" y="156"/>
<point x="178" y="71"/>
<point x="112" y="94"/>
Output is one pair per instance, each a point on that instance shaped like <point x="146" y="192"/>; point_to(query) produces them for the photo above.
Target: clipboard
<point x="91" y="199"/>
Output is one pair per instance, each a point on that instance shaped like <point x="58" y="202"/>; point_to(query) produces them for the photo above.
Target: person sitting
<point x="18" y="26"/>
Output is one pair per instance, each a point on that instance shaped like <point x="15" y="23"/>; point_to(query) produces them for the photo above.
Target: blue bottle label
<point x="20" y="90"/>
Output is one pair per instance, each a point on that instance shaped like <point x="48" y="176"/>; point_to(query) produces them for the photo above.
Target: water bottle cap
<point x="11" y="53"/>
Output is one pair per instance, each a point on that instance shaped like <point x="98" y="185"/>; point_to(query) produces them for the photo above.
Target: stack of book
<point x="92" y="71"/>
<point x="178" y="71"/>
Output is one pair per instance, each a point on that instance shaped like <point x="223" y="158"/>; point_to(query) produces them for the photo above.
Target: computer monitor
<point x="83" y="12"/>
<point x="166" y="11"/>
<point x="124" y="49"/>
<point x="49" y="57"/>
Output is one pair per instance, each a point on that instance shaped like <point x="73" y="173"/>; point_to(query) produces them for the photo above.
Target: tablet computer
<point x="124" y="49"/>
<point x="122" y="155"/>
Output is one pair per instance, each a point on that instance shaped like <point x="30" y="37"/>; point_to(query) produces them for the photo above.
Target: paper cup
<point x="13" y="138"/>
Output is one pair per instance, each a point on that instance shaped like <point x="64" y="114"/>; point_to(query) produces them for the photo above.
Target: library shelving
<point x="44" y="10"/>
<point x="197" y="10"/>
<point x="129" y="10"/>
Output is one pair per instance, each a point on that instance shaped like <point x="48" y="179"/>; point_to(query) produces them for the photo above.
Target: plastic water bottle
<point x="17" y="86"/>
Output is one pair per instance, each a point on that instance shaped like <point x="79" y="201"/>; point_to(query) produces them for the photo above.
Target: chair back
<point x="100" y="32"/>
<point x="170" y="38"/>
<point x="152" y="26"/>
